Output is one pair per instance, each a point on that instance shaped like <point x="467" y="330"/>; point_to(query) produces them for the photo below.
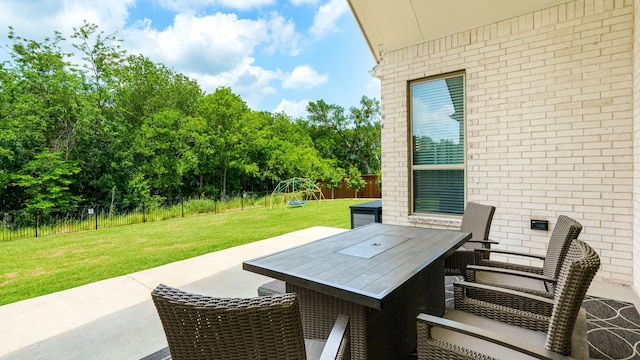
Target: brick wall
<point x="549" y="117"/>
<point x="636" y="133"/>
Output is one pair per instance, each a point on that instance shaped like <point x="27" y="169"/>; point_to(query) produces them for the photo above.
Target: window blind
<point x="437" y="125"/>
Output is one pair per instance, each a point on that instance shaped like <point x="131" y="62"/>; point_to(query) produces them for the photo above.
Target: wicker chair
<point x="267" y="327"/>
<point x="476" y="220"/>
<point x="475" y="334"/>
<point x="531" y="279"/>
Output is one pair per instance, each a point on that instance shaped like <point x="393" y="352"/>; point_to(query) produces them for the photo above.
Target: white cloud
<point x="191" y="6"/>
<point x="218" y="50"/>
<point x="246" y="4"/>
<point x="60" y="16"/>
<point x="252" y="83"/>
<point x="214" y="43"/>
<point x="304" y="77"/>
<point x="327" y="16"/>
<point x="295" y="109"/>
<point x="208" y="44"/>
<point x="282" y="36"/>
<point x="300" y="2"/>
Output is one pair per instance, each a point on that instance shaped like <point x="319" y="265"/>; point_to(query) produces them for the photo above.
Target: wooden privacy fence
<point x="370" y="190"/>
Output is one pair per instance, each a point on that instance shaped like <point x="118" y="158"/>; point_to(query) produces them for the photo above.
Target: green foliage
<point x="351" y="139"/>
<point x="333" y="179"/>
<point x="45" y="113"/>
<point x="163" y="146"/>
<point x="46" y="179"/>
<point x="289" y="151"/>
<point x="118" y="127"/>
<point x="379" y="178"/>
<point x="102" y="56"/>
<point x="224" y="113"/>
<point x="355" y="181"/>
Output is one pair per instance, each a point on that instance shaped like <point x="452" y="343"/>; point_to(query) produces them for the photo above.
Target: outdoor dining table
<point x="381" y="275"/>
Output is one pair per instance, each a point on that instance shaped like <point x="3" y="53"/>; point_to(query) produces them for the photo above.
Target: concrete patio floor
<point x="116" y="319"/>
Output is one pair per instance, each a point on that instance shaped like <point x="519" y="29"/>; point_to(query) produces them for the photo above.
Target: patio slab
<point x="115" y="318"/>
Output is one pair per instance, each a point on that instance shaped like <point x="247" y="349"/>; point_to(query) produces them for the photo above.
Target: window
<point x="437" y="129"/>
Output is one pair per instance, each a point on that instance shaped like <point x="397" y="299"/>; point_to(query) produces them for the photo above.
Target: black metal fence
<point x="29" y="223"/>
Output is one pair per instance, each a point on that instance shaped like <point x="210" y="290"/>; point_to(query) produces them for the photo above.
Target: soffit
<point x="394" y="24"/>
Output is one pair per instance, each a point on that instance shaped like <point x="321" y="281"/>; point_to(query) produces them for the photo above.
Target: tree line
<point x="119" y="127"/>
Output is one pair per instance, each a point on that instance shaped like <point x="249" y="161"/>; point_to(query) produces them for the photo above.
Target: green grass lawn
<point x="43" y="265"/>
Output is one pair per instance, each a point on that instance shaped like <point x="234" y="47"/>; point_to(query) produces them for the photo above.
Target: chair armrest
<point x="490" y="336"/>
<point x="511" y="272"/>
<point x="485" y="243"/>
<point x="339" y="338"/>
<point x="500" y="296"/>
<point x="507" y="252"/>
<point x="514" y="293"/>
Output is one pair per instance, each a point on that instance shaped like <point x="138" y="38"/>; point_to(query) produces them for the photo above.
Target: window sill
<point x="436" y="220"/>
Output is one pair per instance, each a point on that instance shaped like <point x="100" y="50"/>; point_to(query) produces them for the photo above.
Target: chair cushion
<point x="579" y="341"/>
<point x="314" y="348"/>
<point x="490" y="277"/>
<point x="537" y="338"/>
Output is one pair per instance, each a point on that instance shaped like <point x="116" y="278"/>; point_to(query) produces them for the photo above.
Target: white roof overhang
<point x="394" y="24"/>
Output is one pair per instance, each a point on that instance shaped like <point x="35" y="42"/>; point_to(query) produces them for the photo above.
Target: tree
<point x="290" y="152"/>
<point x="10" y="136"/>
<point x="333" y="179"/>
<point x="355" y="181"/>
<point x="102" y="56"/>
<point x="46" y="179"/>
<point x="224" y="112"/>
<point x="45" y="115"/>
<point x="365" y="128"/>
<point x="164" y="148"/>
<point x="148" y="93"/>
<point x="99" y="147"/>
<point x="352" y="139"/>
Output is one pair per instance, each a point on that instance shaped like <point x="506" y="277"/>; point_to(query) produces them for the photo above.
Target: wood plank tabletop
<point x="363" y="265"/>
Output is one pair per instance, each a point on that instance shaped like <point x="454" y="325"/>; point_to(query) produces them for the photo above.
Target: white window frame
<point x="412" y="167"/>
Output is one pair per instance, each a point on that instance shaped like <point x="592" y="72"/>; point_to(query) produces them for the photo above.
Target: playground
<point x="295" y="192"/>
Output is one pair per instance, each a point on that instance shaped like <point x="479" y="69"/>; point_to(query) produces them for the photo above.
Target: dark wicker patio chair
<point x="476" y="334"/>
<point x="531" y="279"/>
<point x="267" y="327"/>
<point x="476" y="220"/>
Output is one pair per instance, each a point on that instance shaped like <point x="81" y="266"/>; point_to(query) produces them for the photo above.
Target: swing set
<point x="295" y="192"/>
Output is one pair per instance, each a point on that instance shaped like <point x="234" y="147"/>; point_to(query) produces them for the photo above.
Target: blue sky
<point x="277" y="54"/>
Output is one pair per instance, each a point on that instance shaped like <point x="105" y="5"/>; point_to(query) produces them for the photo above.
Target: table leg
<point x="384" y="334"/>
